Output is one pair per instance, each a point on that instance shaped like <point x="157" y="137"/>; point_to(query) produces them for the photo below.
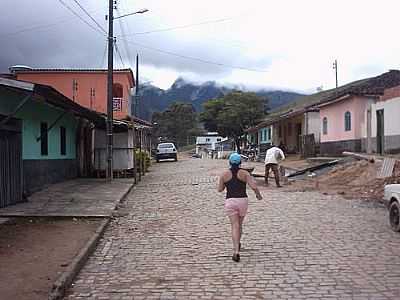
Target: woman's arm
<point x="221" y="183"/>
<point x="253" y="185"/>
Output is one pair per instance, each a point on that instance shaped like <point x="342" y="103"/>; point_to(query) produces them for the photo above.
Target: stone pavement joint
<point x="173" y="242"/>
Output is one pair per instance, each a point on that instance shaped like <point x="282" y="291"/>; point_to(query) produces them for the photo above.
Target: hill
<point x="155" y="99"/>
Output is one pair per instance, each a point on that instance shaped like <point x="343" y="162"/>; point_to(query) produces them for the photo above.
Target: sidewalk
<point x="81" y="197"/>
<point x="53" y="235"/>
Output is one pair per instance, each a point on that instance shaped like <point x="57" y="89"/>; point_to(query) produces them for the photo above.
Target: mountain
<point x="154" y="99"/>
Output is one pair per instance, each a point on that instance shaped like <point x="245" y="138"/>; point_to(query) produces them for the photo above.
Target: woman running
<point x="236" y="203"/>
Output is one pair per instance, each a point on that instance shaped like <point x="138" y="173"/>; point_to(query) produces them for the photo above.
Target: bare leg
<point x="241" y="219"/>
<point x="235" y="232"/>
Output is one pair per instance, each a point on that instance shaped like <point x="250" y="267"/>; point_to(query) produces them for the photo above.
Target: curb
<point x="67" y="277"/>
<point x="62" y="284"/>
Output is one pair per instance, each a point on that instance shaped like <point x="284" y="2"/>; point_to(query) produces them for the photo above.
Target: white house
<point x="207" y="142"/>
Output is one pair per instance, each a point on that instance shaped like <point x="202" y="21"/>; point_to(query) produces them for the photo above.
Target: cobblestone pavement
<point x="174" y="243"/>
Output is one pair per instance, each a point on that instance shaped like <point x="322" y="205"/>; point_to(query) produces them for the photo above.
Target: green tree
<point x="177" y="123"/>
<point x="232" y="114"/>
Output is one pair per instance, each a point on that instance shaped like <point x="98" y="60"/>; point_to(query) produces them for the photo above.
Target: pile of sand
<point x="355" y="180"/>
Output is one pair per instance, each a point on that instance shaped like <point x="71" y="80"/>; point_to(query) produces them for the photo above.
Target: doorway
<point x="10" y="163"/>
<point x="380" y="131"/>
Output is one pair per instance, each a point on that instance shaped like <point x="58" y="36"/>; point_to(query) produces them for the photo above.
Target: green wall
<point x="32" y="114"/>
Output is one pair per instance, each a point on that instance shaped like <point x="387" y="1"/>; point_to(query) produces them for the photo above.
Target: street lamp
<point x="109" y="124"/>
<point x="142" y="11"/>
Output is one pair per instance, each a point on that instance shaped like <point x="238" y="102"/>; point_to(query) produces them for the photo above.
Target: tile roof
<point x="373" y="86"/>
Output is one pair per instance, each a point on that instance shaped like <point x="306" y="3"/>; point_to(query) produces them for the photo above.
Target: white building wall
<point x="391" y="117"/>
<point x="313" y="125"/>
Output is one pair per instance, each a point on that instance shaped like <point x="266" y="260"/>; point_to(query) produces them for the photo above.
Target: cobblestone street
<point x="172" y="241"/>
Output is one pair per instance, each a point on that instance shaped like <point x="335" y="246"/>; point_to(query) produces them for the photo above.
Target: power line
<point x="88" y="14"/>
<point x="38" y="27"/>
<point x="197" y="59"/>
<point x="128" y="54"/>
<point x="79" y="16"/>
<point x="104" y="56"/>
<point x="119" y="53"/>
<point x="179" y="27"/>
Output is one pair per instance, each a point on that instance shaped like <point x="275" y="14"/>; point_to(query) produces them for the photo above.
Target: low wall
<point x="337" y="147"/>
<point x="38" y="173"/>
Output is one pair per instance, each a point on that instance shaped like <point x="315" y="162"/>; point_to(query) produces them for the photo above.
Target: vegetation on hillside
<point x="232" y="114"/>
<point x="178" y="124"/>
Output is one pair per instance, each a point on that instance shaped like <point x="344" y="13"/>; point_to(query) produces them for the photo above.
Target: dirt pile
<point x="355" y="180"/>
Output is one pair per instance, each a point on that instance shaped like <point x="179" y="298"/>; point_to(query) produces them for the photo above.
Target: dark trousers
<point x="275" y="169"/>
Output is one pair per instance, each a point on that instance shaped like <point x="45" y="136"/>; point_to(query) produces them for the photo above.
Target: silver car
<point x="392" y="201"/>
<point x="166" y="151"/>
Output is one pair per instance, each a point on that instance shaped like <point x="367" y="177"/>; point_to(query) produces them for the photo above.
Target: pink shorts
<point x="235" y="206"/>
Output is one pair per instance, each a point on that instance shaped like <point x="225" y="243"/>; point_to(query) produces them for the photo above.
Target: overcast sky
<point x="286" y="44"/>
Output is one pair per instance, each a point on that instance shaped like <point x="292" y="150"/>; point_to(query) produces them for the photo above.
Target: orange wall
<point x="63" y="82"/>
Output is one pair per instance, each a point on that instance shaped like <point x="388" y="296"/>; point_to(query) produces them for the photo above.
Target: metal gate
<point x="10" y="167"/>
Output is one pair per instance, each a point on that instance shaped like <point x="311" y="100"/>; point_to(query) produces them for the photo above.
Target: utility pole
<point x="335" y="68"/>
<point x="109" y="125"/>
<point x="137" y="87"/>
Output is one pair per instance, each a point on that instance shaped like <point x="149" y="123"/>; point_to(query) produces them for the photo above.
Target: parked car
<point x="392" y="201"/>
<point x="165" y="151"/>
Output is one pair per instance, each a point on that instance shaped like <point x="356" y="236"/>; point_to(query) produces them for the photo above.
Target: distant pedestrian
<point x="273" y="156"/>
<point x="236" y="203"/>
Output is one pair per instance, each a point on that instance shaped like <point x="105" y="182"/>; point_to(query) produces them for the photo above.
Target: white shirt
<point x="270" y="156"/>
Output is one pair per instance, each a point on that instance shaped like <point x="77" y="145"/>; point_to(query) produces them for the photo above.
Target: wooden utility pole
<point x="335" y="68"/>
<point x="109" y="125"/>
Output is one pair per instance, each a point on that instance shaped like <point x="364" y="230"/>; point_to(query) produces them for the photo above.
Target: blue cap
<point x="235" y="159"/>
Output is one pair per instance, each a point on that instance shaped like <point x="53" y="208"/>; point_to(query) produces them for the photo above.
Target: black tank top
<point x="235" y="188"/>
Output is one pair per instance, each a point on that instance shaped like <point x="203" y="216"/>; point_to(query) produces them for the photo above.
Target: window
<point x="269" y="133"/>
<point x="44" y="149"/>
<point x="118" y="93"/>
<point x="347" y="121"/>
<point x="207" y="140"/>
<point x="63" y="141"/>
<point x="218" y="139"/>
<point x="325" y="125"/>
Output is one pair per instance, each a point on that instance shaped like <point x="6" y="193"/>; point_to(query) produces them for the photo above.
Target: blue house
<point x="44" y="138"/>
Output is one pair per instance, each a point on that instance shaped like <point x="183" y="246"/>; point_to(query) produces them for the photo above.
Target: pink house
<point x="353" y="118"/>
<point x="88" y="87"/>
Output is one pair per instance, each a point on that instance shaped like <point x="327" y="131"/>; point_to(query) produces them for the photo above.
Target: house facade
<point x="385" y="122"/>
<point x="88" y="87"/>
<point x="208" y="142"/>
<point x="39" y="138"/>
<point x="364" y="118"/>
<point x="343" y="125"/>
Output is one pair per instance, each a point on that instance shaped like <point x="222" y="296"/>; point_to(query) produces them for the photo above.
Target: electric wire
<point x="119" y="54"/>
<point x="196" y="58"/>
<point x="80" y="17"/>
<point x="88" y="14"/>
<point x="104" y="56"/>
<point x="40" y="26"/>
<point x="125" y="44"/>
<point x="178" y="27"/>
